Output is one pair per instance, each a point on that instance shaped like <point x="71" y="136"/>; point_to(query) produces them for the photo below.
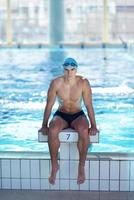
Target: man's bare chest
<point x="69" y="92"/>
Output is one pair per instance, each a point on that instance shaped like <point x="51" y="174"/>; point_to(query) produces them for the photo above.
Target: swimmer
<point x="70" y="89"/>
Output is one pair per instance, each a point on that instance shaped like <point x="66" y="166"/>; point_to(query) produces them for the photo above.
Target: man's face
<point x="70" y="71"/>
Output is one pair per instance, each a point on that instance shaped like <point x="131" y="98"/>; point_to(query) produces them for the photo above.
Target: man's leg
<point x="81" y="125"/>
<point x="55" y="126"/>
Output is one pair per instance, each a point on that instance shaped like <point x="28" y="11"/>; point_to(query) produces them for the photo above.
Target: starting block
<point x="68" y="135"/>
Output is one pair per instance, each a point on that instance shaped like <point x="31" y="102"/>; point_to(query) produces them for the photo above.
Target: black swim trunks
<point x="69" y="118"/>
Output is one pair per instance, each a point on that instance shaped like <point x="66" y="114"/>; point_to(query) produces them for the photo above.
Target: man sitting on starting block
<point x="70" y="89"/>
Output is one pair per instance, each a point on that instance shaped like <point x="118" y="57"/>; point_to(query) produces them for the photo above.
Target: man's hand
<point x="44" y="130"/>
<point x="93" y="131"/>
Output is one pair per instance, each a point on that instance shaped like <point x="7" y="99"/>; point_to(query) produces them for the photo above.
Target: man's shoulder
<point x="84" y="82"/>
<point x="57" y="81"/>
<point x="83" y="79"/>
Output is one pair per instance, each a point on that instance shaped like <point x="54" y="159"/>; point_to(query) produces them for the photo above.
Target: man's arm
<point x="51" y="96"/>
<point x="87" y="97"/>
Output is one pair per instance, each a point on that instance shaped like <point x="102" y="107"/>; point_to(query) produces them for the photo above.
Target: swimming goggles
<point x="70" y="63"/>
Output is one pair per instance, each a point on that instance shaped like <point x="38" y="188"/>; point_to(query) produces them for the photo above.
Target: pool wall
<point x="104" y="172"/>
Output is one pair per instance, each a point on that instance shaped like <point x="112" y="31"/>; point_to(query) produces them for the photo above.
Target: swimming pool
<point x="24" y="78"/>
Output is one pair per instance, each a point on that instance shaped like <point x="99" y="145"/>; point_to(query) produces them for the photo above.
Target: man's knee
<point x="53" y="131"/>
<point x="83" y="133"/>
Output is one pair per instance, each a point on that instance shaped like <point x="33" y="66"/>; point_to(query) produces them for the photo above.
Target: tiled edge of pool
<point x="104" y="172"/>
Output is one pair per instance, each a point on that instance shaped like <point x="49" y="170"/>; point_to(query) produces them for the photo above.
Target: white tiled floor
<point x="114" y="170"/>
<point x="104" y="185"/>
<point x="6" y="183"/>
<point x="73" y="151"/>
<point x="64" y="169"/>
<point x="94" y="169"/>
<point x="74" y="185"/>
<point x="104" y="175"/>
<point x="64" y="151"/>
<point x="131" y="185"/>
<point x="73" y="169"/>
<point x="114" y="185"/>
<point x="35" y="183"/>
<point x="44" y="184"/>
<point x="44" y="168"/>
<point x="94" y="185"/>
<point x="64" y="184"/>
<point x="56" y="186"/>
<point x="104" y="169"/>
<point x="25" y="169"/>
<point x="124" y="170"/>
<point x="15" y="168"/>
<point x="15" y="183"/>
<point x="85" y="185"/>
<point x="124" y="185"/>
<point x="35" y="170"/>
<point x="132" y="170"/>
<point x="25" y="183"/>
<point x="5" y="167"/>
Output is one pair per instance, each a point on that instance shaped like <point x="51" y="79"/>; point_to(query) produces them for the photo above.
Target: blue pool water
<point x="24" y="78"/>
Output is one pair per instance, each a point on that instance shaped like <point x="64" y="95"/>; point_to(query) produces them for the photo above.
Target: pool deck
<point x="46" y="155"/>
<point x="57" y="195"/>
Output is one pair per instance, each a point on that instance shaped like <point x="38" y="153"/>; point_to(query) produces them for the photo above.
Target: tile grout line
<point x="109" y="174"/>
<point x="89" y="175"/>
<point x="30" y="173"/>
<point x="49" y="174"/>
<point x="10" y="175"/>
<point x="119" y="174"/>
<point x="129" y="174"/>
<point x="20" y="176"/>
<point x="99" y="177"/>
<point x="59" y="171"/>
<point x="69" y="165"/>
<point x="39" y="173"/>
<point x="1" y="173"/>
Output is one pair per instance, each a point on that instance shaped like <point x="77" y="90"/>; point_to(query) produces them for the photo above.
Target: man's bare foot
<point x="81" y="174"/>
<point x="53" y="174"/>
